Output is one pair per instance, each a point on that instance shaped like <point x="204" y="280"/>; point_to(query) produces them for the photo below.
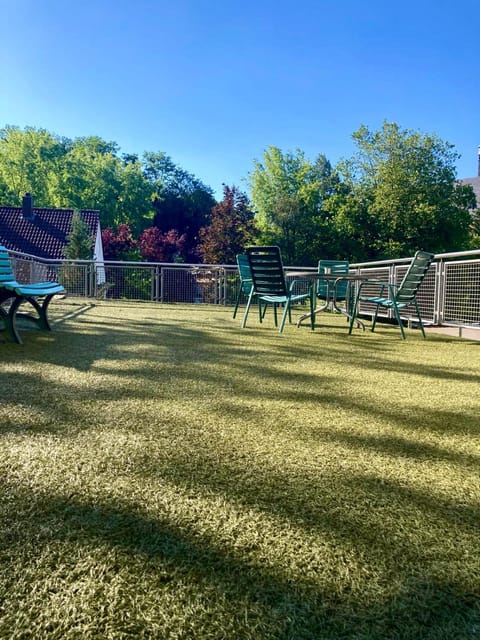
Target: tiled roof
<point x="45" y="235"/>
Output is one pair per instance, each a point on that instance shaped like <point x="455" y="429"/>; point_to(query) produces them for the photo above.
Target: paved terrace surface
<point x="459" y="332"/>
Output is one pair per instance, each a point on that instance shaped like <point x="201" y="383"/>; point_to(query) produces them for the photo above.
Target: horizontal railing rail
<point x="449" y="295"/>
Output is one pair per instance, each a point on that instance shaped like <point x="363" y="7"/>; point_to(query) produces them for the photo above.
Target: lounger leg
<point x="9" y="321"/>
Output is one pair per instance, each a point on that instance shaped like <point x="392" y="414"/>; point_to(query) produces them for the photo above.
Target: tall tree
<point x="288" y="194"/>
<point x="94" y="177"/>
<point x="232" y="227"/>
<point x="408" y="181"/>
<point x="29" y="160"/>
<point x="85" y="173"/>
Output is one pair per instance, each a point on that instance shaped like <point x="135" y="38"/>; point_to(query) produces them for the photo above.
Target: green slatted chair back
<point x="325" y="288"/>
<point x="270" y="286"/>
<point x="267" y="271"/>
<point x="413" y="278"/>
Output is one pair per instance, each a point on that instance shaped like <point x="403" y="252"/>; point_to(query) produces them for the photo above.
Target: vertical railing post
<point x="225" y="288"/>
<point x="439" y="293"/>
<point x="93" y="277"/>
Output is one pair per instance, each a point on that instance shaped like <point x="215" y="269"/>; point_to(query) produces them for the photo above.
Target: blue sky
<point x="213" y="84"/>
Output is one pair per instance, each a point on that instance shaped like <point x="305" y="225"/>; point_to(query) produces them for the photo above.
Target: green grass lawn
<point x="166" y="474"/>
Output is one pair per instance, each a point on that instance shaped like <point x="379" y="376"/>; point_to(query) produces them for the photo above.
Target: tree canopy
<point x="402" y="185"/>
<point x="396" y="194"/>
<point x="288" y="194"/>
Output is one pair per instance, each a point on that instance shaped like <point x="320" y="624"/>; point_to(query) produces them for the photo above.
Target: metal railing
<point x="449" y="295"/>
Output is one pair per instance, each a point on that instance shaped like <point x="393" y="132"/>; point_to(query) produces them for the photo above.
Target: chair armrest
<point x="382" y="285"/>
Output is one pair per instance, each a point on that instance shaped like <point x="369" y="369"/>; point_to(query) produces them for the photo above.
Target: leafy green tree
<point x="79" y="241"/>
<point x="85" y="173"/>
<point x="94" y="177"/>
<point x="404" y="183"/>
<point x="288" y="194"/>
<point x="28" y="161"/>
<point x="232" y="227"/>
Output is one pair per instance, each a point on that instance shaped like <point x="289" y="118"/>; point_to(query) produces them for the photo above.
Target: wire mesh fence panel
<point x="27" y="271"/>
<point x="75" y="277"/>
<point x="211" y="284"/>
<point x="129" y="282"/>
<point x="179" y="285"/>
<point x="461" y="295"/>
<point x="232" y="285"/>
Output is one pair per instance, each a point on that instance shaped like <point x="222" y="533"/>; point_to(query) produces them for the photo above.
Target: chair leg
<point x="374" y="319"/>
<point x="399" y="320"/>
<point x="419" y="318"/>
<point x="247" y="309"/>
<point x="275" y="314"/>
<point x="312" y="309"/>
<point x="237" y="303"/>
<point x="284" y="316"/>
<point x="354" y="312"/>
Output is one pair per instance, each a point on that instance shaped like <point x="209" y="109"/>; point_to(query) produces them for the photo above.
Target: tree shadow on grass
<point x="428" y="608"/>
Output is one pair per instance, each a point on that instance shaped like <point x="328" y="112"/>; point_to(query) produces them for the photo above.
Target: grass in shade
<point x="166" y="474"/>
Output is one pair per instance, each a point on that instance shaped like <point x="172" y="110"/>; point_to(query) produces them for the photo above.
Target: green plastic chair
<point x="270" y="286"/>
<point x="325" y="288"/>
<point x="398" y="296"/>
<point x="246" y="282"/>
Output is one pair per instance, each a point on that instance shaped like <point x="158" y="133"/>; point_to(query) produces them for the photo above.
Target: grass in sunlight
<point x="166" y="474"/>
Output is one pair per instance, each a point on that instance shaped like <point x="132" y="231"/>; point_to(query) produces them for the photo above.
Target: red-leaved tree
<point x="231" y="229"/>
<point x="156" y="246"/>
<point x="119" y="245"/>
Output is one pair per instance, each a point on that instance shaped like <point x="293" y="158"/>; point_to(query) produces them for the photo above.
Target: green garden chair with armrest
<point x="396" y="297"/>
<point x="270" y="286"/>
